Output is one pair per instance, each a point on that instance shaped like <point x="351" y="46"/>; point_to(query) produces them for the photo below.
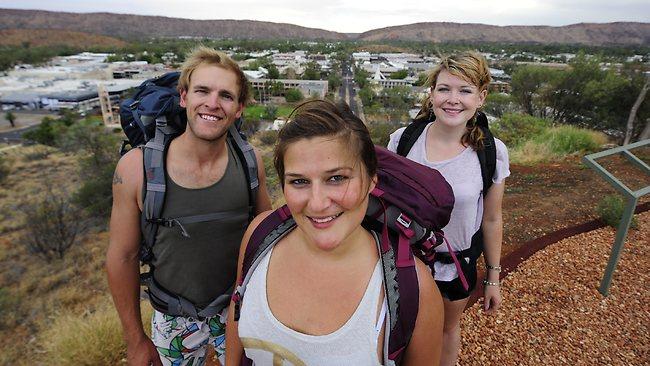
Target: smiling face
<point x="455" y="100"/>
<point x="326" y="188"/>
<point x="211" y="100"/>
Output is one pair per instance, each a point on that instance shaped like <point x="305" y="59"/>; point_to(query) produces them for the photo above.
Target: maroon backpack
<point x="409" y="206"/>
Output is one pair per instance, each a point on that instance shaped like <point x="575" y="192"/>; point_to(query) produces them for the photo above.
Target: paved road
<point x="347" y="90"/>
<point x="15" y="136"/>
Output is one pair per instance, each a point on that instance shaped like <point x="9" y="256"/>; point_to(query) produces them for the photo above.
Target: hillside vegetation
<point x="134" y="27"/>
<point x="54" y="37"/>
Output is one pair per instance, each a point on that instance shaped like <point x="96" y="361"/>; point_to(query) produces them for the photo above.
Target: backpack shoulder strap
<point x="268" y="233"/>
<point x="487" y="156"/>
<point x="154" y="185"/>
<point x="410" y="135"/>
<point x="402" y="297"/>
<point x="246" y="155"/>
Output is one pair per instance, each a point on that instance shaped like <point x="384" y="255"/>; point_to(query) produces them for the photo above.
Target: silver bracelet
<point x="490" y="283"/>
<point x="493" y="268"/>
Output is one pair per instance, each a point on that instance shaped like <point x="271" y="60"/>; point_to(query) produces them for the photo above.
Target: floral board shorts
<point x="184" y="341"/>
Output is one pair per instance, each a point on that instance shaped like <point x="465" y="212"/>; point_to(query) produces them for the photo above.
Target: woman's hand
<point x="492" y="300"/>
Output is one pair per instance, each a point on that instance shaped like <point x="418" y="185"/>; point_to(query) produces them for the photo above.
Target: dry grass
<point x="33" y="291"/>
<point x="556" y="144"/>
<point x="92" y="339"/>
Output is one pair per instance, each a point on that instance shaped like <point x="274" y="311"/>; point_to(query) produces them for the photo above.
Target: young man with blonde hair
<point x="195" y="263"/>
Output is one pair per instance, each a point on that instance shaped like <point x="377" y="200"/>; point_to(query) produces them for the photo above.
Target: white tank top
<point x="267" y="341"/>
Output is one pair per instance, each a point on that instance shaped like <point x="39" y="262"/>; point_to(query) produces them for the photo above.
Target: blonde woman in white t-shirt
<point x="449" y="143"/>
<point x="317" y="297"/>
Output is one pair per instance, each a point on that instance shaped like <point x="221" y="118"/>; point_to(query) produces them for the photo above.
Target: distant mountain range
<point x="132" y="27"/>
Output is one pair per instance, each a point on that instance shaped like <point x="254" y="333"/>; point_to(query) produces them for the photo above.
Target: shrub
<point x="272" y="181"/>
<point x="380" y="132"/>
<point x="97" y="161"/>
<point x="37" y="153"/>
<point x="293" y="95"/>
<point x="51" y="225"/>
<point x="9" y="308"/>
<point x="270" y="111"/>
<point x="268" y="137"/>
<point x="514" y="128"/>
<point x="610" y="210"/>
<point x="250" y="125"/>
<point x="88" y="340"/>
<point x="49" y="131"/>
<point x="4" y="168"/>
<point x="556" y="143"/>
<point x="565" y="139"/>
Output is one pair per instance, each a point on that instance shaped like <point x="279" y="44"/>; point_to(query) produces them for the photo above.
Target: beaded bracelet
<point x="489" y="283"/>
<point x="493" y="268"/>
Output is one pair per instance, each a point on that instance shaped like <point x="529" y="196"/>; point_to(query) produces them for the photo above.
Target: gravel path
<point x="553" y="313"/>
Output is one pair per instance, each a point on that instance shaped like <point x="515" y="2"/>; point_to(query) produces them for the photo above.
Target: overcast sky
<point x="364" y="15"/>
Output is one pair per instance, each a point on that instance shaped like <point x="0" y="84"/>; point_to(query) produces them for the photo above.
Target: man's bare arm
<point x="122" y="262"/>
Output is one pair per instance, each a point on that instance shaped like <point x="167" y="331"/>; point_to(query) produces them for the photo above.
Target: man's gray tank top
<point x="203" y="266"/>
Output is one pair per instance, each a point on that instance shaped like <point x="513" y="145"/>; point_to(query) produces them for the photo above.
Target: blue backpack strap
<point x="247" y="156"/>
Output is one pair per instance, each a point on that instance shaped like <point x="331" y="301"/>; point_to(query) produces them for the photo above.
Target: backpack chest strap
<point x="221" y="216"/>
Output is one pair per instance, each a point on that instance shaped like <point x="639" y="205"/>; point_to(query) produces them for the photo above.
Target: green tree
<point x="293" y="95"/>
<point x="396" y="101"/>
<point x="312" y="71"/>
<point x="527" y="82"/>
<point x="334" y="81"/>
<point x="274" y="88"/>
<point x="9" y="116"/>
<point x="496" y="104"/>
<point x="567" y="98"/>
<point x="361" y="77"/>
<point x="367" y="95"/>
<point x="400" y="74"/>
<point x="274" y="73"/>
<point x="422" y="79"/>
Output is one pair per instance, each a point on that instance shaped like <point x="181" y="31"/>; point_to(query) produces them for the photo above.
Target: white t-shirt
<point x="463" y="172"/>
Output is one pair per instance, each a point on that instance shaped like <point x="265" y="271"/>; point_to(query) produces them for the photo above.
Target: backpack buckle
<point x="404" y="220"/>
<point x="161" y="222"/>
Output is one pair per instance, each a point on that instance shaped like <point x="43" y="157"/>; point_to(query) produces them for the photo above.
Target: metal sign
<point x="632" y="198"/>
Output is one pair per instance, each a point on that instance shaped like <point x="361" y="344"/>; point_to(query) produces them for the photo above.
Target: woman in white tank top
<point x="318" y="297"/>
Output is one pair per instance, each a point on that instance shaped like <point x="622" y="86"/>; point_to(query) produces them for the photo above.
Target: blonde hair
<point x="472" y="67"/>
<point x="202" y="55"/>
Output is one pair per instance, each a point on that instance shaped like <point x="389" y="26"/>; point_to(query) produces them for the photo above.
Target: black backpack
<point x="151" y="118"/>
<point x="487" y="158"/>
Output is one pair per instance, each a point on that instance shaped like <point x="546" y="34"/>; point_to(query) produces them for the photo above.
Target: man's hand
<point x="143" y="353"/>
